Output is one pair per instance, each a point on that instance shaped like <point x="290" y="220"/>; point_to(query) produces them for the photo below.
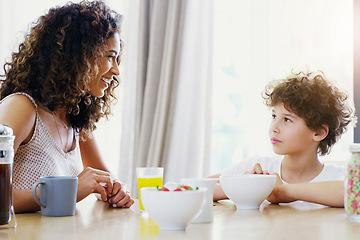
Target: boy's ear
<point x="321" y="133"/>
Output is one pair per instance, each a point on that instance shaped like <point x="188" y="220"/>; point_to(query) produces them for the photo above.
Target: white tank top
<point x="42" y="156"/>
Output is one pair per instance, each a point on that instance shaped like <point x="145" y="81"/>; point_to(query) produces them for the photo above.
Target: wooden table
<point x="95" y="220"/>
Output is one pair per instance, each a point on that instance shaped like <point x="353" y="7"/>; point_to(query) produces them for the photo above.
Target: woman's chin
<point x="98" y="94"/>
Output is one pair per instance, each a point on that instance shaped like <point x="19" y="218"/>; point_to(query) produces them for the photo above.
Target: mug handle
<point x="35" y="196"/>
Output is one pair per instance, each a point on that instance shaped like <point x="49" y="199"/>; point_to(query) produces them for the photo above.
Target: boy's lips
<point x="275" y="141"/>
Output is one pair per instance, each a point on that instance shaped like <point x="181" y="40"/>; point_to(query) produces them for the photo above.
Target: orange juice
<point x="148" y="182"/>
<point x="148" y="227"/>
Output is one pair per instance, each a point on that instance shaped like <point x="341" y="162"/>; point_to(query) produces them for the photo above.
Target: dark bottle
<point x="6" y="162"/>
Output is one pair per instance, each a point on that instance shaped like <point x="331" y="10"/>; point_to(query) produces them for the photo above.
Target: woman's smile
<point x="106" y="81"/>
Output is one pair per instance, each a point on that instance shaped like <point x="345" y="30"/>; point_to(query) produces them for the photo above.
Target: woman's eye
<point x="273" y="116"/>
<point x="111" y="58"/>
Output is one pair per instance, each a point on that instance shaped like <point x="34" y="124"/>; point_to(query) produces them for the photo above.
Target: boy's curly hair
<point x="316" y="100"/>
<point x="58" y="57"/>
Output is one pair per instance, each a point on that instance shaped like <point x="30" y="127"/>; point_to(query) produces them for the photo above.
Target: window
<point x="258" y="41"/>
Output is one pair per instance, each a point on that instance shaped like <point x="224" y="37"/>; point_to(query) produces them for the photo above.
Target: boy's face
<point x="289" y="134"/>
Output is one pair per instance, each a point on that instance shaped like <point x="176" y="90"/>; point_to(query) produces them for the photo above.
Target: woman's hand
<point x="120" y="196"/>
<point x="91" y="180"/>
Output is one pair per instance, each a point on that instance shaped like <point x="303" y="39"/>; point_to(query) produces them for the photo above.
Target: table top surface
<point x="96" y="220"/>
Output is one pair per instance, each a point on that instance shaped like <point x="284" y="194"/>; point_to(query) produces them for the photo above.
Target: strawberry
<point x="164" y="189"/>
<point x="177" y="190"/>
<point x="187" y="187"/>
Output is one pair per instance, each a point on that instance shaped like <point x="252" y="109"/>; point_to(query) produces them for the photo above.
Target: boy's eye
<point x="273" y="116"/>
<point x="287" y="120"/>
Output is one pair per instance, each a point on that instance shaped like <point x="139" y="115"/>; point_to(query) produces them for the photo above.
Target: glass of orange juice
<point x="148" y="177"/>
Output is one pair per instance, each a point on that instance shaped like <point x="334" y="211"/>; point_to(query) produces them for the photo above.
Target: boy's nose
<point x="275" y="127"/>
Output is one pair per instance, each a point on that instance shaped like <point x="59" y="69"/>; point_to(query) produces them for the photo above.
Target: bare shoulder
<point x="19" y="104"/>
<point x="18" y="112"/>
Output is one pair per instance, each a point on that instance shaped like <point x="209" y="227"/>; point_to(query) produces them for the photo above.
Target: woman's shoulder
<point x="19" y="105"/>
<point x="19" y="112"/>
<point x="20" y="100"/>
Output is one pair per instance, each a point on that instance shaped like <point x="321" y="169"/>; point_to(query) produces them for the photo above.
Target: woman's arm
<point x="90" y="154"/>
<point x="23" y="201"/>
<point x="19" y="113"/>
<point x="117" y="194"/>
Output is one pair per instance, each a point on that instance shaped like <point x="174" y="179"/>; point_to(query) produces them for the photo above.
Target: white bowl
<point x="172" y="210"/>
<point x="248" y="191"/>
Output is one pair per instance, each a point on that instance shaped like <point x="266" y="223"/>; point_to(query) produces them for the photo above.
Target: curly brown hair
<point x="315" y="99"/>
<point x="57" y="58"/>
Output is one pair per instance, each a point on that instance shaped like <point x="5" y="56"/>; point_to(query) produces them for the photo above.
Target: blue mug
<point x="57" y="195"/>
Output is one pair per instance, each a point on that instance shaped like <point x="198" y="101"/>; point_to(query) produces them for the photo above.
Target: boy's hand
<point x="257" y="169"/>
<point x="279" y="194"/>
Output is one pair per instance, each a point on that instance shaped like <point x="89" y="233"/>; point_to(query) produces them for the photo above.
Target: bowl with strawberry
<point x="173" y="206"/>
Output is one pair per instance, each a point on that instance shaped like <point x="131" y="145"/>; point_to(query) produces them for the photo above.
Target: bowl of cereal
<point x="172" y="209"/>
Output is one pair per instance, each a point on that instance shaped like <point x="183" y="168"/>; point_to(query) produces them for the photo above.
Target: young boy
<point x="309" y="115"/>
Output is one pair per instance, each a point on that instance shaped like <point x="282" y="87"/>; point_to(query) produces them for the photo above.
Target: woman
<point x="55" y="89"/>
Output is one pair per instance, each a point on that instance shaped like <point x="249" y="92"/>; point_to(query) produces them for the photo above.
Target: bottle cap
<point x="6" y="144"/>
<point x="355" y="147"/>
<point x="5" y="130"/>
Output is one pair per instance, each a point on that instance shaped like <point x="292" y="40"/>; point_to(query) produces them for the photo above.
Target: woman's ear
<point x="321" y="133"/>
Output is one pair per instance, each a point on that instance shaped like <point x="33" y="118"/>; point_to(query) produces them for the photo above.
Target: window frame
<point x="356" y="64"/>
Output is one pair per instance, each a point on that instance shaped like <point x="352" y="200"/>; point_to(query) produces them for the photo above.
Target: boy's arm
<point x="330" y="193"/>
<point x="218" y="191"/>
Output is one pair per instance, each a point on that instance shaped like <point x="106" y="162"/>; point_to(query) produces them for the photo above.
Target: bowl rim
<point x="153" y="189"/>
<point x="199" y="179"/>
<point x="248" y="176"/>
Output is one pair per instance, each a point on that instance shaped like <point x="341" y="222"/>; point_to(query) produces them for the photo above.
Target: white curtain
<point x="15" y="20"/>
<point x="167" y="85"/>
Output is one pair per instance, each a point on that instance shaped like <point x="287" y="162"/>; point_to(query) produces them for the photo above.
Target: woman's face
<point x="108" y="68"/>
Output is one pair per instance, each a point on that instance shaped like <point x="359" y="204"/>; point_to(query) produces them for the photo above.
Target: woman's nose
<point x="115" y="69"/>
